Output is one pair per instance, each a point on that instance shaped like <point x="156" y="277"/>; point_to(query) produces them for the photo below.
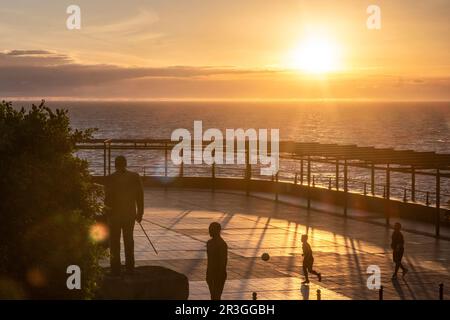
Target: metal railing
<point x="151" y="158"/>
<point x="324" y="181"/>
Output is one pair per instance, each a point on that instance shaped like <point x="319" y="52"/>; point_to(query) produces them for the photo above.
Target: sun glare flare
<point x="98" y="232"/>
<point x="316" y="55"/>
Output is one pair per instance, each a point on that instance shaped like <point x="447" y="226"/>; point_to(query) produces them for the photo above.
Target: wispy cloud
<point x="24" y="58"/>
<point x="28" y="52"/>
<point x="138" y="27"/>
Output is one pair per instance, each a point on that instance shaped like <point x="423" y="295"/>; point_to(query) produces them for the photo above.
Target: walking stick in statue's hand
<point x="148" y="238"/>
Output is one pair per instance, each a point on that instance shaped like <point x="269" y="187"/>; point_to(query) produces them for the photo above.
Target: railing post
<point x="441" y="291"/>
<point x="365" y="188"/>
<point x="380" y="293"/>
<point x="329" y="183"/>
<point x="413" y="184"/>
<point x="319" y="295"/>
<point x="313" y="181"/>
<point x="295" y="178"/>
<point x="427" y="200"/>
<point x="405" y="198"/>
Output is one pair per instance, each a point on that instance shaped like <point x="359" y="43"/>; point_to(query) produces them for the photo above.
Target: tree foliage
<point x="48" y="204"/>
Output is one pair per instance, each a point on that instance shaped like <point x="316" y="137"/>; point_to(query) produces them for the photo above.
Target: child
<point x="397" y="246"/>
<point x="308" y="260"/>
<point x="216" y="272"/>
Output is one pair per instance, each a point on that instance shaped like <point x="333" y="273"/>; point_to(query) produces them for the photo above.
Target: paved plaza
<point x="177" y="221"/>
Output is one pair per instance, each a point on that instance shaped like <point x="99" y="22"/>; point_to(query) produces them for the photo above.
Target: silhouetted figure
<point x="125" y="203"/>
<point x="398" y="248"/>
<point x="308" y="260"/>
<point x="216" y="273"/>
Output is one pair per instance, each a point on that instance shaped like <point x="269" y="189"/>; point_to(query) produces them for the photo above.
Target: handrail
<point x="341" y="158"/>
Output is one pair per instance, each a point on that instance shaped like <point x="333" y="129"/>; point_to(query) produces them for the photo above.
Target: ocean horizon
<point x="419" y="126"/>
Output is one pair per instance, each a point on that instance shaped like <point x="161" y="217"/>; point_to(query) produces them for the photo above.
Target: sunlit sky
<point x="252" y="49"/>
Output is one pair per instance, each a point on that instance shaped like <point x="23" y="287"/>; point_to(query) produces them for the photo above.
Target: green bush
<point x="48" y="204"/>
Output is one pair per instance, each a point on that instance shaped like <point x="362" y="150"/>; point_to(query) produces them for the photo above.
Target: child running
<point x="308" y="260"/>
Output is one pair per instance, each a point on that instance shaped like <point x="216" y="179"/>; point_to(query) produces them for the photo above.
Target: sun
<point x="316" y="55"/>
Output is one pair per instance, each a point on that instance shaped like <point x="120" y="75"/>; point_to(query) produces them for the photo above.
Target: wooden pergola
<point x="406" y="161"/>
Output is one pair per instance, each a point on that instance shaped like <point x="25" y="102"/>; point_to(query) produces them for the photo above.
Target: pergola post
<point x="308" y="173"/>
<point x="388" y="193"/>
<point x="276" y="187"/>
<point x="372" y="179"/>
<point x="165" y="159"/>
<point x="309" y="181"/>
<point x="248" y="167"/>
<point x="182" y="164"/>
<point x="438" y="202"/>
<point x="109" y="157"/>
<point x="337" y="174"/>
<point x="213" y="170"/>
<point x="345" y="186"/>
<point x="301" y="170"/>
<point x="388" y="181"/>
<point x="104" y="159"/>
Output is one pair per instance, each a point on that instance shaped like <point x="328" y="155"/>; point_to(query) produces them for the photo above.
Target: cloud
<point x="28" y="52"/>
<point x="31" y="72"/>
<point x="46" y="74"/>
<point x="133" y="28"/>
<point x="32" y="58"/>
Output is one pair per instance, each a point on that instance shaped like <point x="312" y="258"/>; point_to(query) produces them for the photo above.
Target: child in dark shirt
<point x="398" y="248"/>
<point x="216" y="272"/>
<point x="308" y="260"/>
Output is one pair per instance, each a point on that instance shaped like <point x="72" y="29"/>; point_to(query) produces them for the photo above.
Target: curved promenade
<point x="177" y="221"/>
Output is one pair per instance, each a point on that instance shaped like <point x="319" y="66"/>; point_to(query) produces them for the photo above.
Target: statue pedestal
<point x="148" y="283"/>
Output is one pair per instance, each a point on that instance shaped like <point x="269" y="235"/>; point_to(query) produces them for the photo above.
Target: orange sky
<point x="192" y="49"/>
